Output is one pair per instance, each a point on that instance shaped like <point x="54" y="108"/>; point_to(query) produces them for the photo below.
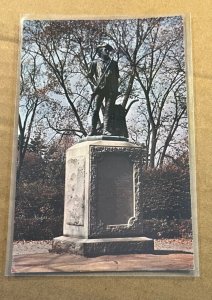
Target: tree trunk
<point x="153" y="148"/>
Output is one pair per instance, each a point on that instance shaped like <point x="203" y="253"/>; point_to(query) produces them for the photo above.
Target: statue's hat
<point x="106" y="46"/>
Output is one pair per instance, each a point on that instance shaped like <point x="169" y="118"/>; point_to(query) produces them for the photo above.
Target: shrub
<point x="38" y="211"/>
<point x="166" y="194"/>
<point x="168" y="228"/>
<point x="38" y="228"/>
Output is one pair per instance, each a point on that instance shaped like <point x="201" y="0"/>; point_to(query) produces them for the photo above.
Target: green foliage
<point x="168" y="228"/>
<point x="38" y="228"/>
<point x="166" y="194"/>
<point x="39" y="211"/>
<point x="38" y="199"/>
<point x="40" y="193"/>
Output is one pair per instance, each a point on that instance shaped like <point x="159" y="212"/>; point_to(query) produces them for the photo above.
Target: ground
<point x="170" y="255"/>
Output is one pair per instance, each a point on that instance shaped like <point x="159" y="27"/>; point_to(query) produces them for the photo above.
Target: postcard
<point x="105" y="182"/>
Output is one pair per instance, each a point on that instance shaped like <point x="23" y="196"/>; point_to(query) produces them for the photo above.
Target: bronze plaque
<point x="115" y="189"/>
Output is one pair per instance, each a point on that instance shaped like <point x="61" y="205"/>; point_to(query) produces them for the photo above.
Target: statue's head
<point x="104" y="50"/>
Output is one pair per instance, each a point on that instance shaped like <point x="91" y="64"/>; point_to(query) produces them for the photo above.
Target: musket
<point x="93" y="95"/>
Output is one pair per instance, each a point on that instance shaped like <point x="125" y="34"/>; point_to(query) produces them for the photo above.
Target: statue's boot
<point x="94" y="124"/>
<point x="106" y="130"/>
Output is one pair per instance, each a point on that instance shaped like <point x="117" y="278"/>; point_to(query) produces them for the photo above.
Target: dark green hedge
<point x="38" y="211"/>
<point x="39" y="228"/>
<point x="167" y="228"/>
<point x="166" y="194"/>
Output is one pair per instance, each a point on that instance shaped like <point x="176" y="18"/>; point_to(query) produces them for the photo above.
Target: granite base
<point x="105" y="246"/>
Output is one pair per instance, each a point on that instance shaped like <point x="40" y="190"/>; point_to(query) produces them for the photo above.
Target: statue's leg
<point x="108" y="114"/>
<point x="95" y="116"/>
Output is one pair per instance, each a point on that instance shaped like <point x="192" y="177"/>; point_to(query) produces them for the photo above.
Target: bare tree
<point x="154" y="50"/>
<point x="151" y="60"/>
<point x="32" y="99"/>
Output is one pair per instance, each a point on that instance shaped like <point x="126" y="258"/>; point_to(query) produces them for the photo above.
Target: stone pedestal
<point x="103" y="208"/>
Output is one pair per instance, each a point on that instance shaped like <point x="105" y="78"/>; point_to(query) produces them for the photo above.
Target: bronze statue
<point x="104" y="74"/>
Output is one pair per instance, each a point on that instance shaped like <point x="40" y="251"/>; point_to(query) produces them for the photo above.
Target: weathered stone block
<point x="106" y="246"/>
<point x="102" y="199"/>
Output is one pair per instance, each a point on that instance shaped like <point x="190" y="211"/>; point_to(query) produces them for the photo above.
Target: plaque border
<point x="134" y="227"/>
